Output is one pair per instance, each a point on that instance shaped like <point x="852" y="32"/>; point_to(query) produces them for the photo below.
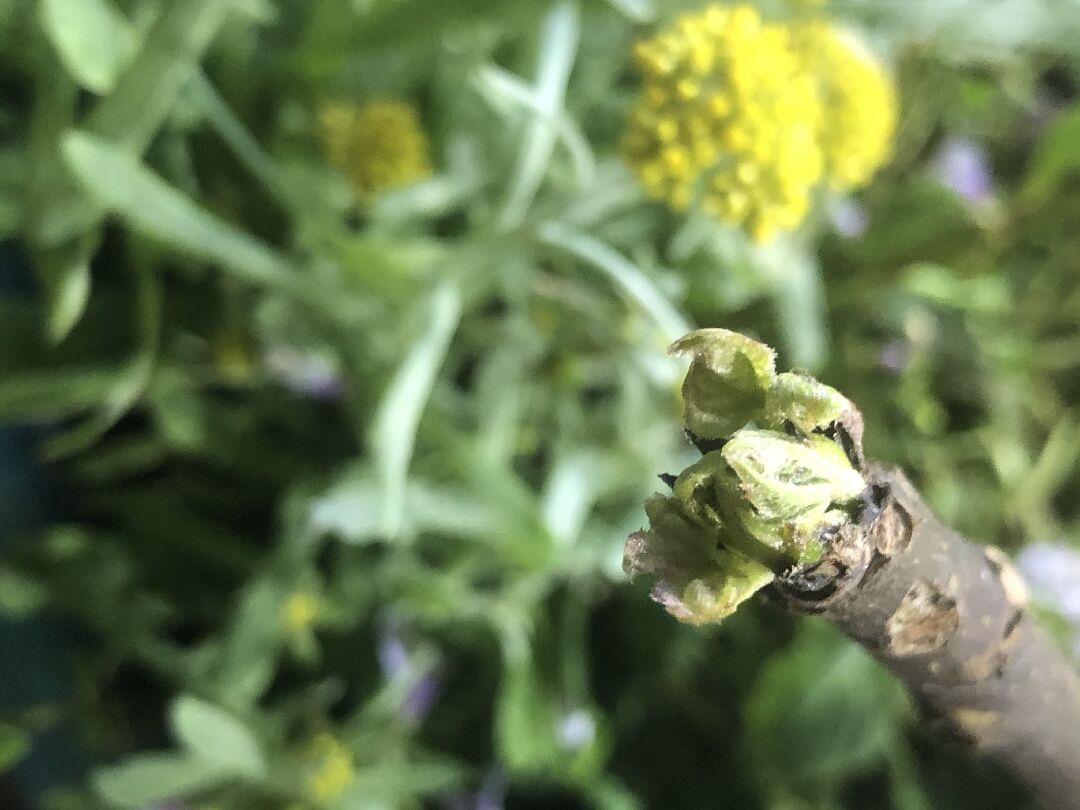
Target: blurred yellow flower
<point x="233" y="359"/>
<point x="378" y="146"/>
<point x="334" y="770"/>
<point x="744" y="117"/>
<point x="299" y="611"/>
<point x="859" y="102"/>
<point x="728" y="119"/>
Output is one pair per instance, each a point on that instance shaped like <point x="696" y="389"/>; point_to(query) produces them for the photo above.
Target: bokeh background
<point x="333" y="377"/>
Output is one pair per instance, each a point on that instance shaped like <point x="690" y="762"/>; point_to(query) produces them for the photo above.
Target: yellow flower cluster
<point x="739" y="116"/>
<point x="334" y="772"/>
<point x="378" y="145"/>
<point x="859" y="103"/>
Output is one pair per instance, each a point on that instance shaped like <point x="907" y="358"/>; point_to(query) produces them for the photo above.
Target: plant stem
<point x="949" y="618"/>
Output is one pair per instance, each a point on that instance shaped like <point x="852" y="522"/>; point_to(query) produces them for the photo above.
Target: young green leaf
<point x="727" y="381"/>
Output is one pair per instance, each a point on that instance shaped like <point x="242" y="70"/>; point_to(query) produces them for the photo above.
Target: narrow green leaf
<point x="47" y="395"/>
<point x="147" y="90"/>
<point x="150" y="206"/>
<point x="1055" y="157"/>
<point x="524" y="717"/>
<point x="569" y="494"/>
<point x="132" y="383"/>
<point x="641" y="11"/>
<point x="216" y="737"/>
<point x="93" y="39"/>
<point x="147" y="778"/>
<point x="629" y="278"/>
<point x="14" y="744"/>
<point x="20" y="595"/>
<point x="11" y="214"/>
<point x="64" y="272"/>
<point x="394" y="428"/>
<point x="236" y="136"/>
<point x="393" y="782"/>
<point x="559" y="37"/>
<point x="252" y="644"/>
<point x="506" y="92"/>
<point x="799" y="297"/>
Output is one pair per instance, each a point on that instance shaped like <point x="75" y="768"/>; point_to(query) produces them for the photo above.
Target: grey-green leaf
<point x="821" y="711"/>
<point x="146" y="778"/>
<point x="92" y="38"/>
<point x="150" y="206"/>
<point x="396" y="421"/>
<point x="20" y="595"/>
<point x="216" y="737"/>
<point x="14" y="743"/>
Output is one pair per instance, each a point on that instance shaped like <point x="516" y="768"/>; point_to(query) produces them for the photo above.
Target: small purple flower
<point x="304" y="372"/>
<point x="1053" y="572"/>
<point x="397" y="664"/>
<point x="894" y="356"/>
<point x="392" y="655"/>
<point x="492" y="793"/>
<point x="849" y="218"/>
<point x="962" y="165"/>
<point x="421" y="698"/>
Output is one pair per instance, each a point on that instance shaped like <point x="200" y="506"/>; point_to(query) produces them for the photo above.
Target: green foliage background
<point x="498" y="332"/>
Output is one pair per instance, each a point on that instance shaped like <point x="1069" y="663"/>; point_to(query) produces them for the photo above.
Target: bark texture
<point x="949" y="618"/>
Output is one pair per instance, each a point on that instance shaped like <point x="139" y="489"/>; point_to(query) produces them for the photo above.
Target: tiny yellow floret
<point x="334" y="770"/>
<point x="299" y="611"/>
<point x="378" y="146"/>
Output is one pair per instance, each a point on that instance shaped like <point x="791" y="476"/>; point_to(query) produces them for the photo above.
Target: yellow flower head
<point x="333" y="771"/>
<point x="299" y="611"/>
<point x="378" y="145"/>
<point x="233" y="359"/>
<point x="859" y="102"/>
<point x="728" y="119"/>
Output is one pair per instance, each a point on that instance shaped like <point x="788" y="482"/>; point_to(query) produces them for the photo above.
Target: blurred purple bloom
<point x="1053" y="572"/>
<point x="395" y="663"/>
<point x="304" y="372"/>
<point x="962" y="165"/>
<point x="849" y="218"/>
<point x="894" y="356"/>
<point x="392" y="655"/>
<point x="491" y="795"/>
<point x="421" y="698"/>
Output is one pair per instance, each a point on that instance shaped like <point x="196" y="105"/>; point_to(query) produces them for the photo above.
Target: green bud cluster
<point x="761" y="503"/>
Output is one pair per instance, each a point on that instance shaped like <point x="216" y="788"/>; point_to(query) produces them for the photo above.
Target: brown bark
<point x="949" y="618"/>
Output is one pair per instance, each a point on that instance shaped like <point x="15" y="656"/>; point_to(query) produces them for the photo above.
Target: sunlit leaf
<point x="395" y="424"/>
<point x="92" y="38"/>
<point x="146" y="778"/>
<point x="216" y="737"/>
